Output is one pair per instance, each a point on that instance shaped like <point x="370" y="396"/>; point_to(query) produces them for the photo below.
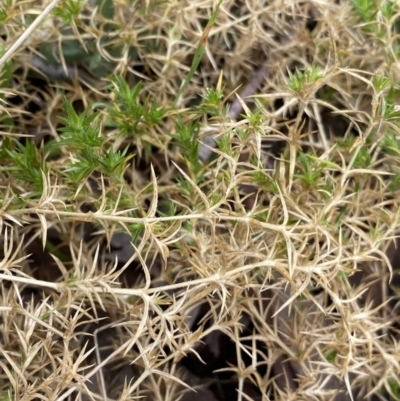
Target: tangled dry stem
<point x="254" y="252"/>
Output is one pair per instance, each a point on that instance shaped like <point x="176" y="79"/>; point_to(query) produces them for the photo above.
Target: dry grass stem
<point x="199" y="200"/>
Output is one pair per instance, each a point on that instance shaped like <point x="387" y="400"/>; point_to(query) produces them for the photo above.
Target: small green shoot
<point x="212" y="104"/>
<point x="201" y="47"/>
<point x="7" y="395"/>
<point x="390" y="144"/>
<point x="380" y="82"/>
<point x="136" y="231"/>
<point x="331" y="356"/>
<point x="365" y="9"/>
<point x="186" y="138"/>
<point x="69" y="11"/>
<point x="299" y="79"/>
<point x="28" y="164"/>
<point x="128" y="112"/>
<point x="81" y="132"/>
<point x="363" y="158"/>
<point x="311" y="170"/>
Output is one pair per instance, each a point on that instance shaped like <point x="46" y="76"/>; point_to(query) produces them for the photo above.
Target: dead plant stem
<point x="27" y="32"/>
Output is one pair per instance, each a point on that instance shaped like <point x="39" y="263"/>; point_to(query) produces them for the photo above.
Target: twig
<point x="249" y="90"/>
<point x="28" y="32"/>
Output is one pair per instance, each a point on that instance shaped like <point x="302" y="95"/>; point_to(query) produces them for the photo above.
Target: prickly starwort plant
<point x="199" y="200"/>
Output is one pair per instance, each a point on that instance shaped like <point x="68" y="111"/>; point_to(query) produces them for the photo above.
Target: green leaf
<point x="107" y="8"/>
<point x="201" y="47"/>
<point x="81" y="131"/>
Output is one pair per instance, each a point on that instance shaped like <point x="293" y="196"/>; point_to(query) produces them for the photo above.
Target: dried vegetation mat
<point x="199" y="200"/>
